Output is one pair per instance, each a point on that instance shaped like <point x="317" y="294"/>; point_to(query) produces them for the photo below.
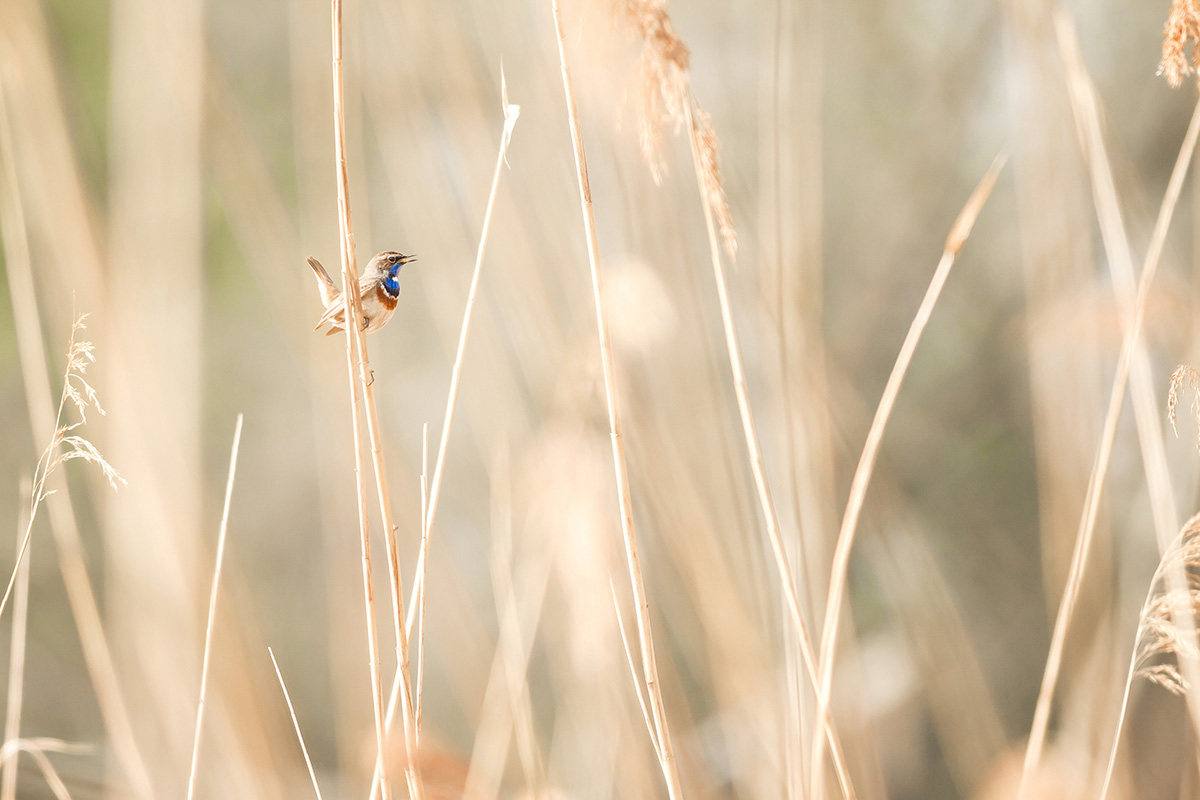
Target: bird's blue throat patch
<point x="391" y="285"/>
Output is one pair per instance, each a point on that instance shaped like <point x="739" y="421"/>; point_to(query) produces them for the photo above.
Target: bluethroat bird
<point x="378" y="288"/>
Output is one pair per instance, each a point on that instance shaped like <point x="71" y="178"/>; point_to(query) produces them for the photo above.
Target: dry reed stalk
<point x="153" y="321"/>
<point x="61" y="204"/>
<point x="1157" y="634"/>
<point x="212" y="607"/>
<point x="356" y="352"/>
<point x="666" y="96"/>
<point x="516" y="639"/>
<point x="366" y="379"/>
<point x="1064" y="344"/>
<point x="866" y="463"/>
<point x="37" y="749"/>
<point x="16" y="659"/>
<point x="506" y="706"/>
<point x="796" y="79"/>
<point x="961" y="705"/>
<point x="633" y="672"/>
<point x="703" y="142"/>
<point x="295" y="724"/>
<point x="419" y="579"/>
<point x="649" y="668"/>
<point x="64" y="527"/>
<point x="511" y="112"/>
<point x="797" y="681"/>
<point x="507" y="712"/>
<point x="416" y="603"/>
<point x="1132" y="315"/>
<point x="1085" y="108"/>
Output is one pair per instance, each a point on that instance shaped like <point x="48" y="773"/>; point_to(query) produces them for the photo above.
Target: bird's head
<point x="387" y="266"/>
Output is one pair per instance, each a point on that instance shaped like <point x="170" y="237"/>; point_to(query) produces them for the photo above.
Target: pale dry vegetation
<point x="740" y="433"/>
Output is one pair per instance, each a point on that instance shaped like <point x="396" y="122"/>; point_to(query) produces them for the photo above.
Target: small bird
<point x="378" y="288"/>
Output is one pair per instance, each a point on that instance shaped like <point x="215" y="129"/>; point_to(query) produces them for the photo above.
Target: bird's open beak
<point x="409" y="259"/>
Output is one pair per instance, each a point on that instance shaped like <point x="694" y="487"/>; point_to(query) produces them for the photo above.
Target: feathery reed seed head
<point x="710" y="175"/>
<point x="66" y="446"/>
<point x="667" y="98"/>
<point x="1184" y="377"/>
<point x="1158" y="637"/>
<point x="1183" y="23"/>
<point x="662" y="74"/>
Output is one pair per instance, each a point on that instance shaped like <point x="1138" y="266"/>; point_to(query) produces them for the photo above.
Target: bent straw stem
<point x="866" y="463"/>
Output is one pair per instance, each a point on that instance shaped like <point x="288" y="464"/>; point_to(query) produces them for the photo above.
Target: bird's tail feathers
<point x="325" y="284"/>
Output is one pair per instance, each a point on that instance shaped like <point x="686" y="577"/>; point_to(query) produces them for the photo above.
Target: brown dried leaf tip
<point x="667" y="98"/>
<point x="1184" y="377"/>
<point x="1183" y="23"/>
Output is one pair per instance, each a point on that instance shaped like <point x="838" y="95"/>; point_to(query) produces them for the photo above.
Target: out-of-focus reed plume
<point x="1183" y="25"/>
<point x="1159" y="640"/>
<point x="662" y="74"/>
<point x="666" y="94"/>
<point x="1184" y="378"/>
<point x="1162" y="647"/>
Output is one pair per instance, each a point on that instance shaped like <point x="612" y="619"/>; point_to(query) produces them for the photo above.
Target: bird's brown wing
<point x="335" y="314"/>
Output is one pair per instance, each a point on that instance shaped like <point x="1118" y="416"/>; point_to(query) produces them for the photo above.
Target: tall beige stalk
<point x="212" y="607"/>
<point x="649" y="668"/>
<point x="312" y="775"/>
<point x="757" y="466"/>
<point x="63" y="525"/>
<point x="154" y="335"/>
<point x="429" y="495"/>
<point x="1132" y="355"/>
<point x="511" y="112"/>
<point x="356" y="353"/>
<point x="16" y="658"/>
<point x="866" y="463"/>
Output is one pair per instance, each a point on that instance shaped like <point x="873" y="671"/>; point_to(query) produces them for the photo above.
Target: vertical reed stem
<point x="649" y="668"/>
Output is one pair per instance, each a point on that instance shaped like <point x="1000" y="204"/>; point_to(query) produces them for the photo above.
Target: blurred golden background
<point x="168" y="166"/>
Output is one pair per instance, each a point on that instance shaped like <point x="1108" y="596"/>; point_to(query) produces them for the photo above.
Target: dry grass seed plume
<point x="1184" y="377"/>
<point x="1183" y="24"/>
<point x="666" y="96"/>
<point x="1157" y="635"/>
<point x="64" y="444"/>
<point x="1159" y="642"/>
